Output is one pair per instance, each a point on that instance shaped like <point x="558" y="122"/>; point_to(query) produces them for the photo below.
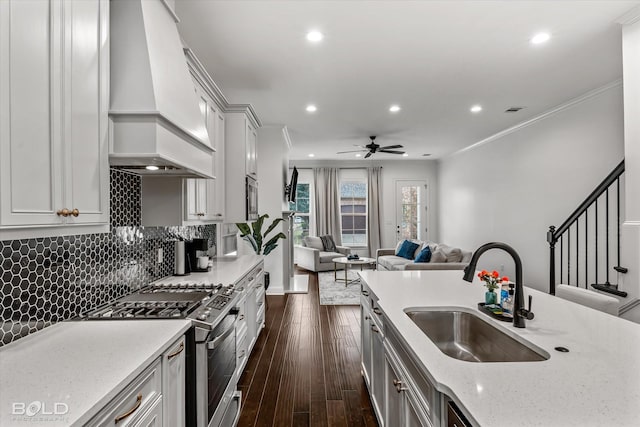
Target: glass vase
<point x="489" y="297"/>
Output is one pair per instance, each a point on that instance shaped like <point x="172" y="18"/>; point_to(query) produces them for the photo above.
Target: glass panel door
<point x="411" y="210"/>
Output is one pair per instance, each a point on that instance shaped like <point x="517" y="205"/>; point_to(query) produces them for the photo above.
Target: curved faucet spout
<point x="519" y="313"/>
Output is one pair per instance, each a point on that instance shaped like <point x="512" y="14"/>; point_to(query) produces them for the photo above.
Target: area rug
<point x="335" y="293"/>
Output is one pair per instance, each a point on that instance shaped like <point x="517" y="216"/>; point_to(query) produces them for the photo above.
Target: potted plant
<point x="492" y="281"/>
<point x="253" y="234"/>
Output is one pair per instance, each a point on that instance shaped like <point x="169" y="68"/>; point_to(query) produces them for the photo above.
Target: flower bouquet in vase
<point x="492" y="281"/>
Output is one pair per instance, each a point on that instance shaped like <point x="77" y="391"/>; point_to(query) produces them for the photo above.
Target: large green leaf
<point x="244" y="228"/>
<point x="249" y="238"/>
<point x="273" y="225"/>
<point x="257" y="231"/>
<point x="273" y="243"/>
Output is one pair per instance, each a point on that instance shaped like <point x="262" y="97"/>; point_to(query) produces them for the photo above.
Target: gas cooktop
<point x="201" y="302"/>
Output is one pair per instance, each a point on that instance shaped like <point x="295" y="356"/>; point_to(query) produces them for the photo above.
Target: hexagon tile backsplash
<point x="47" y="280"/>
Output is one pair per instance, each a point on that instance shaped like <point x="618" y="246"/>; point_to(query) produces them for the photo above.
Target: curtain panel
<point x="374" y="196"/>
<point x="327" y="202"/>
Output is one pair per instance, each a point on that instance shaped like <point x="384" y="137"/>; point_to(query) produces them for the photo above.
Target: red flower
<point x="495" y="274"/>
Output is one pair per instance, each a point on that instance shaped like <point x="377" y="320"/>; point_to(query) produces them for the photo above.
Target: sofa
<point x="312" y="256"/>
<point x="443" y="257"/>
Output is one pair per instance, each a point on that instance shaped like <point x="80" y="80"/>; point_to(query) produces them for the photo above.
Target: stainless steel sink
<point x="465" y="336"/>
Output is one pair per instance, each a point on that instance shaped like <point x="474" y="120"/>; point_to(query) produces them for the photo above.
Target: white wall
<point x="513" y="188"/>
<point x="392" y="171"/>
<point x="273" y="155"/>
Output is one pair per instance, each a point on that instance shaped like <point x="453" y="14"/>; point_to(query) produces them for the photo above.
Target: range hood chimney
<point x="155" y="114"/>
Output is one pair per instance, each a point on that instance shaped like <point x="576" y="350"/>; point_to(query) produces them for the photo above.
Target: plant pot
<point x="489" y="297"/>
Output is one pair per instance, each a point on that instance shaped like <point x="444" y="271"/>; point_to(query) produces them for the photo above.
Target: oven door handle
<point x="216" y="341"/>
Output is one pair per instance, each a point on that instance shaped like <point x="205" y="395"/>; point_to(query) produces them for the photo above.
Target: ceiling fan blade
<point x="368" y="155"/>
<point x="391" y="151"/>
<point x="352" y="151"/>
<point x="390" y="147"/>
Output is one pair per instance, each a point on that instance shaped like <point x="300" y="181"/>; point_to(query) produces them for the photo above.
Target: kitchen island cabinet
<point x="54" y="94"/>
<point x="566" y="389"/>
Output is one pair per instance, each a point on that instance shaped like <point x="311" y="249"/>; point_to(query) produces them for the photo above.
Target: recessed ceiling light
<point x="540" y="38"/>
<point x="311" y="155"/>
<point x="405" y="155"/>
<point x="358" y="155"/>
<point x="394" y="108"/>
<point x="315" y="36"/>
<point x="312" y="108"/>
<point x="152" y="168"/>
<point x="476" y="108"/>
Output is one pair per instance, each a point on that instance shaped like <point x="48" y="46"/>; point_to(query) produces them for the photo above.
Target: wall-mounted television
<point x="290" y="190"/>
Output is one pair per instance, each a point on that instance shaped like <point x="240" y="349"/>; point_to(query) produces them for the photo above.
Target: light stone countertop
<point x="83" y="364"/>
<point x="596" y="384"/>
<point x="225" y="270"/>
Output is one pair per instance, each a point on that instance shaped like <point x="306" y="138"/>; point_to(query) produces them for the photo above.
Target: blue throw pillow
<point x="424" y="255"/>
<point x="407" y="249"/>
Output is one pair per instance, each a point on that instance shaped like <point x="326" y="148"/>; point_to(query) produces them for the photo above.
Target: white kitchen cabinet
<point x="240" y="158"/>
<point x="54" y="92"/>
<point x="209" y="202"/>
<point x="377" y="387"/>
<point x="153" y="417"/>
<point x="130" y="405"/>
<point x="365" y="327"/>
<point x="173" y="384"/>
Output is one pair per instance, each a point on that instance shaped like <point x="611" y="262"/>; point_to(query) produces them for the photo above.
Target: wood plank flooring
<point x="305" y="367"/>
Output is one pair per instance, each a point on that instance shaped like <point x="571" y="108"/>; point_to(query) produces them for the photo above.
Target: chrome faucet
<point x="519" y="312"/>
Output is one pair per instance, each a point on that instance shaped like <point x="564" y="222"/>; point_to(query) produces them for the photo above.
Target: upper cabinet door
<point x="86" y="102"/>
<point x="30" y="119"/>
<point x="54" y="87"/>
<point x="252" y="160"/>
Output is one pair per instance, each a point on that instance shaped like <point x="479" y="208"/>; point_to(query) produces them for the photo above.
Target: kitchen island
<point x="596" y="383"/>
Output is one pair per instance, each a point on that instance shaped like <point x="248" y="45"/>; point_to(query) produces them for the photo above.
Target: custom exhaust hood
<point x="155" y="116"/>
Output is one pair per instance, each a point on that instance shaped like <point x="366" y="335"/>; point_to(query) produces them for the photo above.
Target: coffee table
<point x="347" y="262"/>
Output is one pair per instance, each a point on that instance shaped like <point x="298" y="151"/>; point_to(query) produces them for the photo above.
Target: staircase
<point x="585" y="249"/>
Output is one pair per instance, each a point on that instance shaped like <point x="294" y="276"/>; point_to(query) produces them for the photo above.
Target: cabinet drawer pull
<point x="130" y="411"/>
<point x="366" y="317"/>
<point x="365" y="293"/>
<point x="377" y="311"/>
<point x="251" y="279"/>
<point x="177" y="352"/>
<point x="375" y="329"/>
<point x="241" y="317"/>
<point x="241" y="354"/>
<point x="259" y="285"/>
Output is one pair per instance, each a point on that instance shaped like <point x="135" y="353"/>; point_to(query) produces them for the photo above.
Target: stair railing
<point x="579" y="223"/>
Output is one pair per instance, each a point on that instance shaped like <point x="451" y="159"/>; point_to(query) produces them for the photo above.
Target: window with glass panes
<point x="353" y="212"/>
<point x="301" y="219"/>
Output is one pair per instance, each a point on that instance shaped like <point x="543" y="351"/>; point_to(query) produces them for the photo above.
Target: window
<point x="353" y="212"/>
<point x="302" y="218"/>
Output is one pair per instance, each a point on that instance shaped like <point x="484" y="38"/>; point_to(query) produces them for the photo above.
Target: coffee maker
<point x="191" y="254"/>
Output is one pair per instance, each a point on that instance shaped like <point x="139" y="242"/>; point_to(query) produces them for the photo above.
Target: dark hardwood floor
<point x="305" y="367"/>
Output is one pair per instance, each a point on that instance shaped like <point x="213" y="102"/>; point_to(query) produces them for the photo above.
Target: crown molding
<point x="631" y="17"/>
<point x="199" y="72"/>
<point x="562" y="107"/>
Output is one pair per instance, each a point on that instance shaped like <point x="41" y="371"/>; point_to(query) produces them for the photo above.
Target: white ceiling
<point x="433" y="58"/>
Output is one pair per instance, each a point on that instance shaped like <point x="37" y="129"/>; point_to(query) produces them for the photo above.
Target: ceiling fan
<point x="372" y="148"/>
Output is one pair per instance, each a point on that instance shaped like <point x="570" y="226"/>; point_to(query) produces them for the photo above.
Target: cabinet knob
<point x="375" y="329"/>
<point x="377" y="311"/>
<point x="75" y="212"/>
<point x="63" y="212"/>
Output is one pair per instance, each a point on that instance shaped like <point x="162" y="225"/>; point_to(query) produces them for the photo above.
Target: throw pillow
<point x="452" y="254"/>
<point x="314" y="242"/>
<point x="407" y="250"/>
<point x="424" y="255"/>
<point x="328" y="243"/>
<point x="438" y="256"/>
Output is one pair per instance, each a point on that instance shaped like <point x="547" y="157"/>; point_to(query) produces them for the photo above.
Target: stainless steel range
<point x="211" y="343"/>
